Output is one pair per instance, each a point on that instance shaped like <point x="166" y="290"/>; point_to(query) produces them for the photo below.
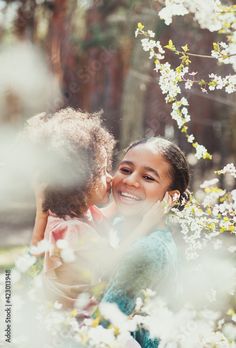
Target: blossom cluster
<point x="211" y="14"/>
<point x="110" y="328"/>
<point x="228" y="83"/>
<point x="187" y="327"/>
<point x="169" y="82"/>
<point x="229" y="168"/>
<point x="204" y="221"/>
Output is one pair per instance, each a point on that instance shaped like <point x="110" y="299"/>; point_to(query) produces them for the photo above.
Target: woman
<point x="150" y="169"/>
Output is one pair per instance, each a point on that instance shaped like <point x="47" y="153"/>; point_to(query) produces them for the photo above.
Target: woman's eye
<point x="125" y="170"/>
<point x="148" y="178"/>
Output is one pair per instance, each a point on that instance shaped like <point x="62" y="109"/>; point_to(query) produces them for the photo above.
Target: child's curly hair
<point x="77" y="146"/>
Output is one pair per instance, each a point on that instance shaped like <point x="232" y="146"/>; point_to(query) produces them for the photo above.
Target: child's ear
<point x="174" y="195"/>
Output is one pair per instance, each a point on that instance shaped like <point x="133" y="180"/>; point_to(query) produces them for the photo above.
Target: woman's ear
<point x="174" y="195"/>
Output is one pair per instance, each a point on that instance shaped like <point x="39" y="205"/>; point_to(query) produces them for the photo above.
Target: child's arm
<point x="39" y="227"/>
<point x="110" y="210"/>
<point x="40" y="218"/>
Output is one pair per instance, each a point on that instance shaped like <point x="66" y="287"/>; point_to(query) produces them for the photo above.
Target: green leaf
<point x="207" y="156"/>
<point x="184" y="129"/>
<point x="140" y="26"/>
<point x="170" y="46"/>
<point x="185" y="48"/>
<point x="202" y="83"/>
<point x="216" y="47"/>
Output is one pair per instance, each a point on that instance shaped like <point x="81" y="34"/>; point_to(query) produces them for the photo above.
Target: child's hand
<point x="41" y="216"/>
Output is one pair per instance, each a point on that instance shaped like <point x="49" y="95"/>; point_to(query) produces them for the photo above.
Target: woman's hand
<point x="154" y="217"/>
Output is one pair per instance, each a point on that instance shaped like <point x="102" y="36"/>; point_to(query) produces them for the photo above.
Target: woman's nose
<point x="131" y="180"/>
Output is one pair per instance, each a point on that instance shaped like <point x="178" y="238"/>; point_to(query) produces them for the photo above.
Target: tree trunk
<point x="134" y="92"/>
<point x="61" y="49"/>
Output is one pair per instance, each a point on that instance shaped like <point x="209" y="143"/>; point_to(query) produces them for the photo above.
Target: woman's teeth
<point x="129" y="196"/>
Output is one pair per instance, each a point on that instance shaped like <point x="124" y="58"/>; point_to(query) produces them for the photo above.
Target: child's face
<point x="102" y="187"/>
<point x="142" y="179"/>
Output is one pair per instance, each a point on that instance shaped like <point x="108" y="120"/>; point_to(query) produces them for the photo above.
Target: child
<point x="74" y="174"/>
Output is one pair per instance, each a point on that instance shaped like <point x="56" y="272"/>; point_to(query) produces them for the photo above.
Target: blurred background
<point x="83" y="54"/>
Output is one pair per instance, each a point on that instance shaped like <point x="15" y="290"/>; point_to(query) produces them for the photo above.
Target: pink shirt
<point x="65" y="281"/>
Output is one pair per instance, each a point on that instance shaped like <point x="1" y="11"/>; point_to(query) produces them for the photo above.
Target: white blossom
<point x="42" y="247"/>
<point x="136" y="32"/>
<point x="99" y="336"/>
<point x="151" y="33"/>
<point x="173" y="8"/>
<point x="200" y="151"/>
<point x="148" y="44"/>
<point x="82" y="300"/>
<point x="139" y="304"/>
<point x="111" y="312"/>
<point x="191" y="138"/>
<point x="184" y="101"/>
<point x="233" y="194"/>
<point x="212" y="197"/>
<point x="23" y="263"/>
<point x="230" y="169"/>
<point x="188" y="84"/>
<point x="208" y="183"/>
<point x="205" y="13"/>
<point x="68" y="255"/>
<point x="57" y="305"/>
<point x="229" y="331"/>
<point x="62" y="244"/>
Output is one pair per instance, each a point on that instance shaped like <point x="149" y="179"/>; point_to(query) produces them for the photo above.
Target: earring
<point x="175" y="197"/>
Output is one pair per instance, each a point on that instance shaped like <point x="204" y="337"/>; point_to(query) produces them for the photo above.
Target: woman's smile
<point x="128" y="197"/>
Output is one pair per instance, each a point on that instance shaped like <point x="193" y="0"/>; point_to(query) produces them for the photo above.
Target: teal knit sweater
<point x="149" y="263"/>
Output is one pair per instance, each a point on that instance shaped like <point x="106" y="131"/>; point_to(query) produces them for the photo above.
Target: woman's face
<point x="142" y="179"/>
